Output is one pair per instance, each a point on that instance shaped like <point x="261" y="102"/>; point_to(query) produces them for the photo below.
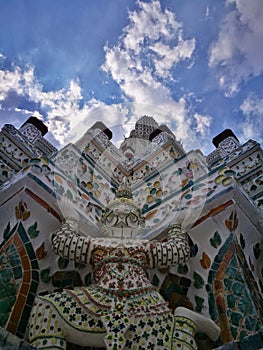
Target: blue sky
<point x="196" y="66"/>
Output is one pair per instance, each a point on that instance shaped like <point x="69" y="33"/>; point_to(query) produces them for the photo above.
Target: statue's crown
<point x="124" y="189"/>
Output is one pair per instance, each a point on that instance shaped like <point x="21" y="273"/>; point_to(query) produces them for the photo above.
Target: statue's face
<point x="122" y="219"/>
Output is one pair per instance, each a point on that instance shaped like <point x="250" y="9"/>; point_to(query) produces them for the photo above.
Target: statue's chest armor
<point x="120" y="268"/>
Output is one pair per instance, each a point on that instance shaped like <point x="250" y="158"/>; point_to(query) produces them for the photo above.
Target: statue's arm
<point x="172" y="252"/>
<point x="68" y="243"/>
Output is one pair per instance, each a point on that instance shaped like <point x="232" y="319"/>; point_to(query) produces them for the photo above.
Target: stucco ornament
<point x="121" y="309"/>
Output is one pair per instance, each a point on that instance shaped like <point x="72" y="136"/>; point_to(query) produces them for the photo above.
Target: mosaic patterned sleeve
<point x="69" y="244"/>
<point x="172" y="252"/>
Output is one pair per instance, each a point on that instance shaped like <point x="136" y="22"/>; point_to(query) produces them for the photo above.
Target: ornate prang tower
<point x="218" y="197"/>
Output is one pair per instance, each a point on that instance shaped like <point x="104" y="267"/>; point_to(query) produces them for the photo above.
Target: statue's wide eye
<point x="131" y="220"/>
<point x="133" y="217"/>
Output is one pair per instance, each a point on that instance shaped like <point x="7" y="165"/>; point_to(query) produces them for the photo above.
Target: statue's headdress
<point x="122" y="217"/>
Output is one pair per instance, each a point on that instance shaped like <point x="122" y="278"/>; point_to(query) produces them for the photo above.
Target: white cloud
<point x="203" y="123"/>
<point x="113" y="116"/>
<point x="167" y="57"/>
<point x="149" y="23"/>
<point x="151" y="44"/>
<point x="66" y="120"/>
<point x="29" y="113"/>
<point x="142" y="62"/>
<point x="61" y="106"/>
<point x="69" y="122"/>
<point x="237" y="54"/>
<point x="11" y="81"/>
<point x="252" y="126"/>
<point x="207" y="11"/>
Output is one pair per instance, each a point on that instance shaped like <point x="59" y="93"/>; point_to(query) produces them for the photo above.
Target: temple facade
<point x="217" y="198"/>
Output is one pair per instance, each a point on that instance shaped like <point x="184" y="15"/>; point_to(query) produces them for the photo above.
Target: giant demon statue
<point x="121" y="309"/>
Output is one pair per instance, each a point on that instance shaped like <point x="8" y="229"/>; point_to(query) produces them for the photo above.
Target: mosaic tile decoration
<point x="9" y="341"/>
<point x="233" y="299"/>
<point x="228" y="274"/>
<point x="19" y="278"/>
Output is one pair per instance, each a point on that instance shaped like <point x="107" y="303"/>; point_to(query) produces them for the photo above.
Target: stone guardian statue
<point x="121" y="309"/>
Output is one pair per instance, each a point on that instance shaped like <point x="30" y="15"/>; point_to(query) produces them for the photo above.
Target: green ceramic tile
<point x="244" y="306"/>
<point x="233" y="331"/>
<point x="238" y="288"/>
<point x="199" y="303"/>
<point x="17" y="272"/>
<point x="30" y="251"/>
<point x="35" y="275"/>
<point x="155" y="280"/>
<point x="5" y="307"/>
<point x="30" y="299"/>
<point x="34" y="264"/>
<point x="198" y="280"/>
<point x="236" y="318"/>
<point x="22" y="233"/>
<point x="228" y="284"/>
<point x="231" y="300"/>
<point x="250" y="323"/>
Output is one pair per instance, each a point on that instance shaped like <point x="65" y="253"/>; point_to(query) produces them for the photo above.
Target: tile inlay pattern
<point x="19" y="278"/>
